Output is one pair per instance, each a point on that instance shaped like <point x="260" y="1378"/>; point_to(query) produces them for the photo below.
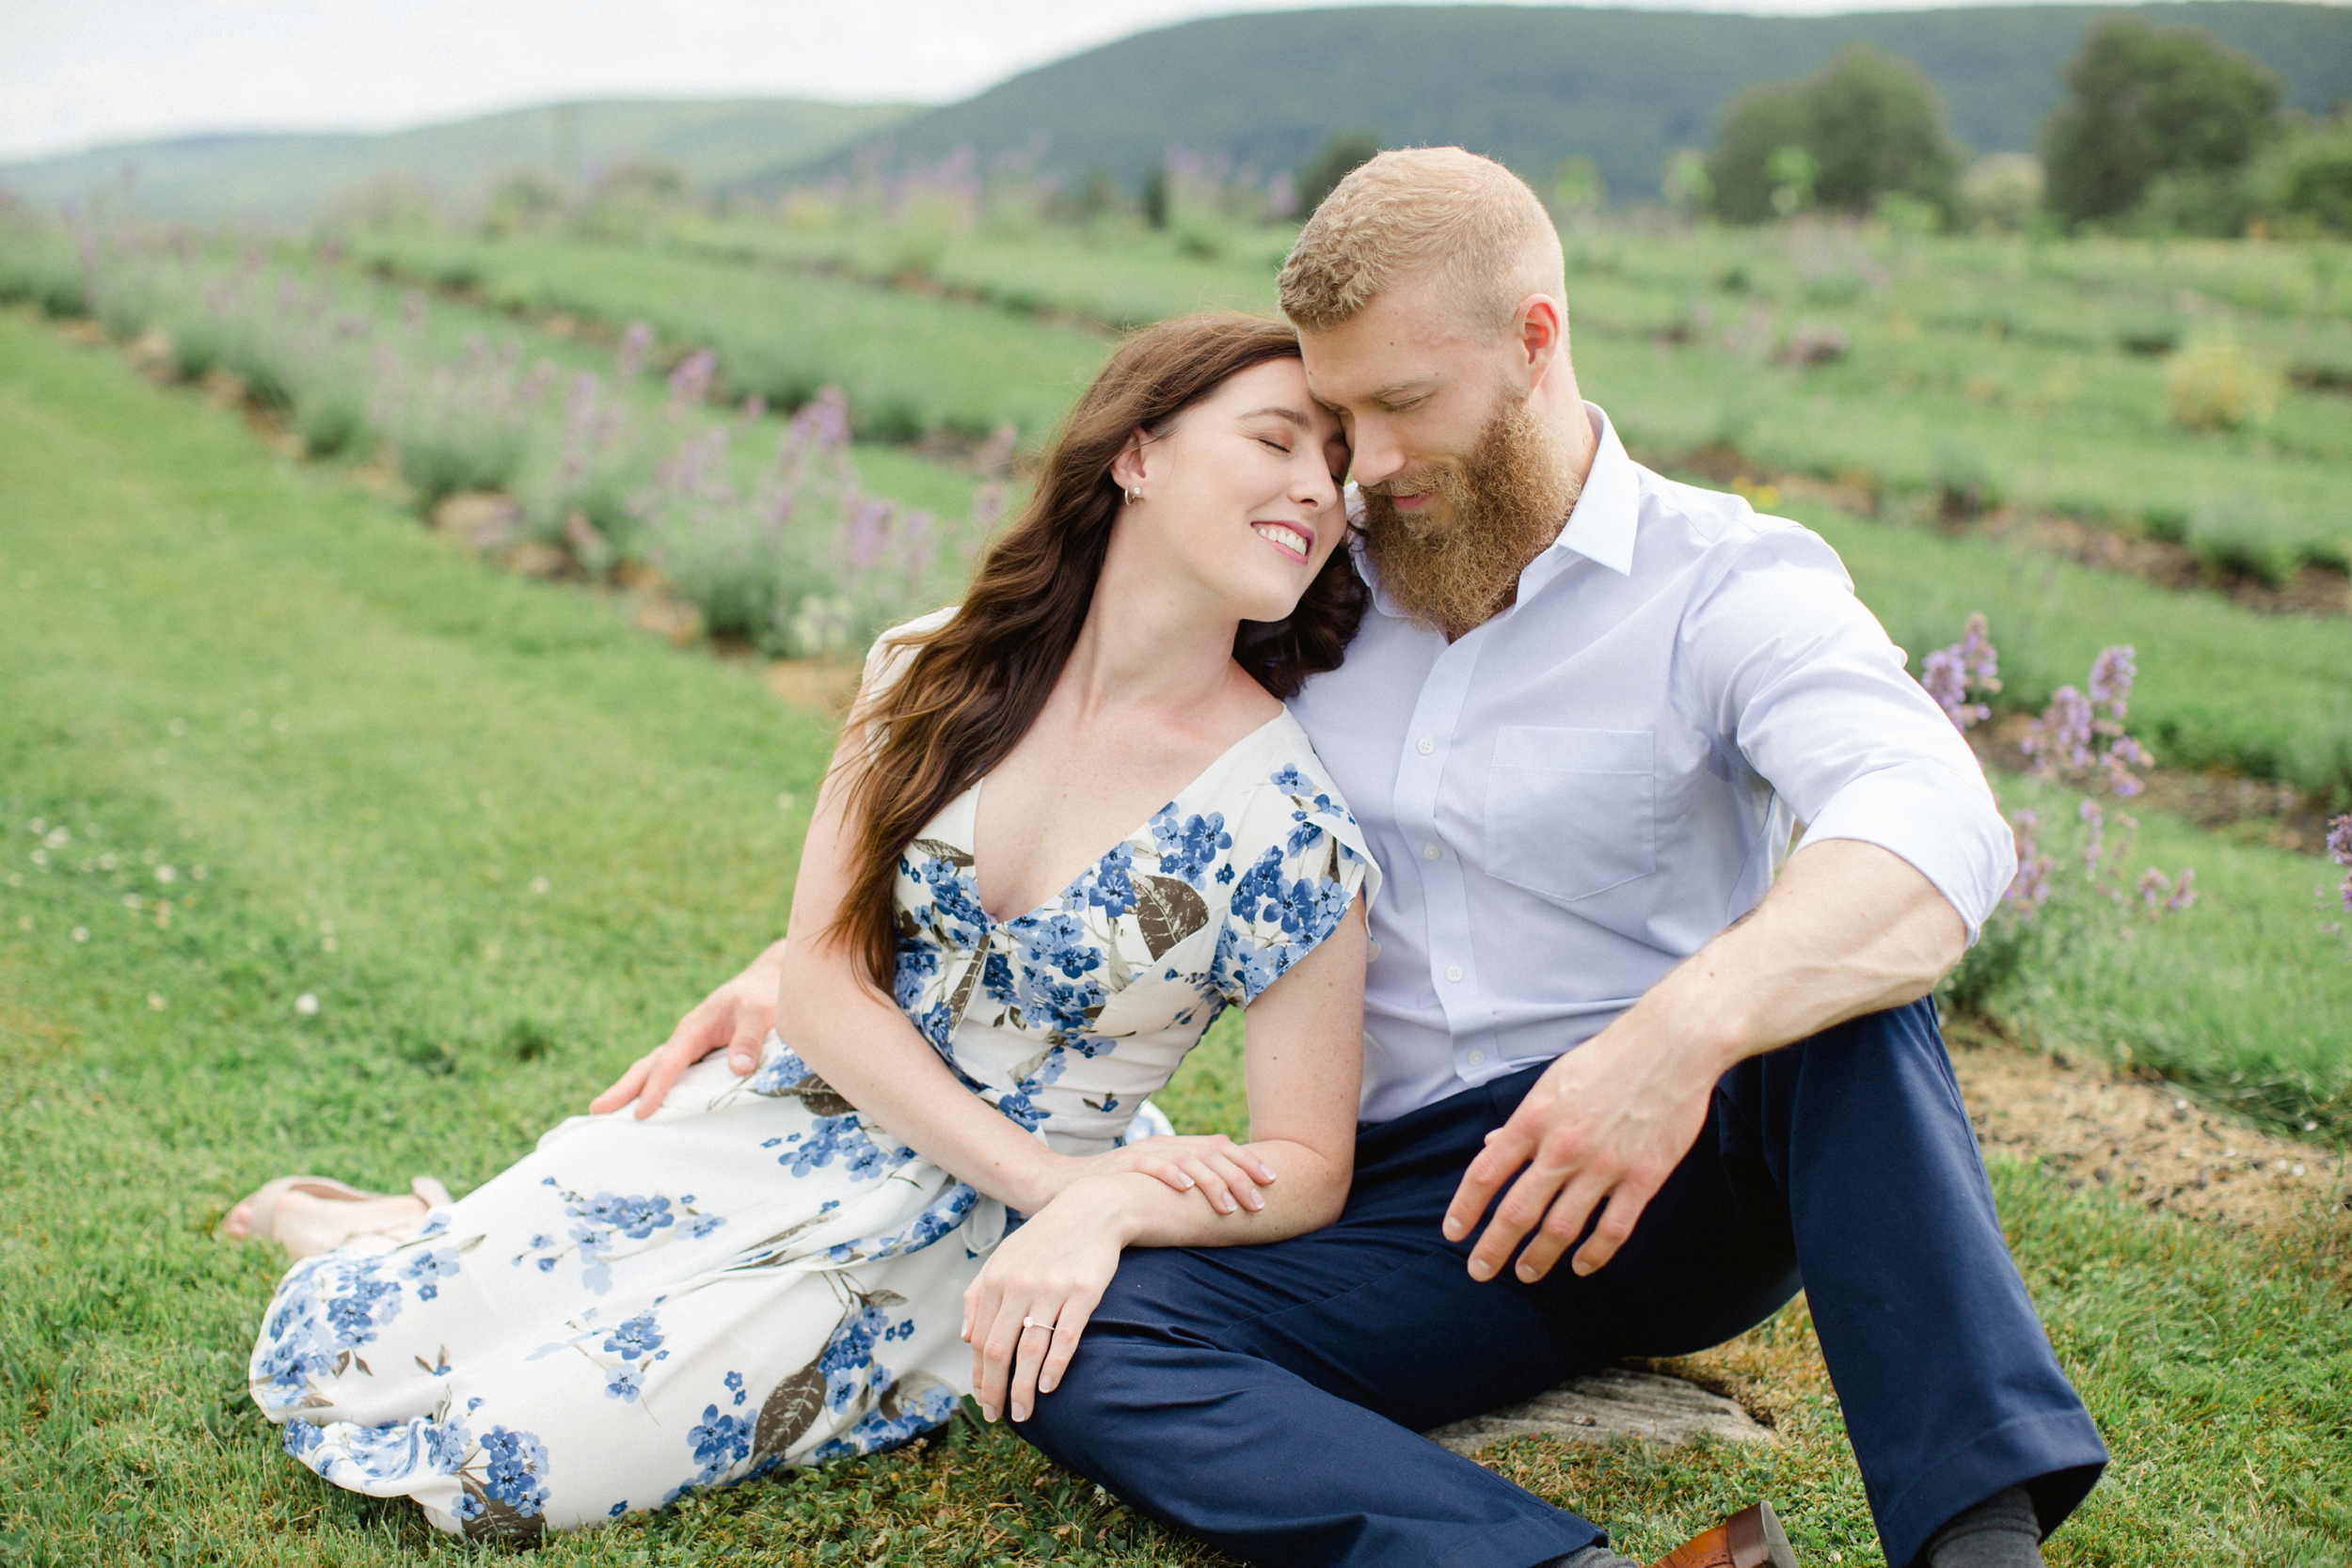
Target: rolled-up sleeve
<point x="1799" y="677"/>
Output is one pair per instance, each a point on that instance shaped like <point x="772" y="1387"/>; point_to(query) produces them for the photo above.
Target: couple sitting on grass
<point x="1478" y="801"/>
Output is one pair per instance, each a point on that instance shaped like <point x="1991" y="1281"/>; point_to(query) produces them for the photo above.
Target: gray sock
<point x="1590" y="1556"/>
<point x="1999" y="1532"/>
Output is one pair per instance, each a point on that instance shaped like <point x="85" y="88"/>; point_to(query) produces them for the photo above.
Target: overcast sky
<point x="78" y="73"/>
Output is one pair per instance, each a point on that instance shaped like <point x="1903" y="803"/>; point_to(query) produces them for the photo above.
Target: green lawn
<point x="375" y="751"/>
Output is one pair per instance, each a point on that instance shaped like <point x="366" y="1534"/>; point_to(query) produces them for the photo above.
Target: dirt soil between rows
<point x="2147" y="1142"/>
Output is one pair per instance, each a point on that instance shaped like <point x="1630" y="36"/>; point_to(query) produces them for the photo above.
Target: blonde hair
<point x="1423" y="211"/>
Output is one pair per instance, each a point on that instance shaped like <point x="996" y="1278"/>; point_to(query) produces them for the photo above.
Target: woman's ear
<point x="1127" y="467"/>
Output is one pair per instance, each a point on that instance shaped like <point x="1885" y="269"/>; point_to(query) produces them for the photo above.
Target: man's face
<point x="1415" y="389"/>
<point x="1463" y="486"/>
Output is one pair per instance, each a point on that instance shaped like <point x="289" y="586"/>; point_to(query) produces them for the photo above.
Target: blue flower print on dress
<point x="1110" y="886"/>
<point x="848" y="1359"/>
<point x="846" y="1138"/>
<point x="605" y="1226"/>
<point x="427" y="1269"/>
<point x="720" y="1441"/>
<point x="955" y="901"/>
<point x="516" y="1465"/>
<point x="1188" y="846"/>
<point x="874" y="1431"/>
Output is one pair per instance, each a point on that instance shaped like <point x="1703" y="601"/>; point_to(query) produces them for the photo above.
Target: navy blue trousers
<point x="1267" y="1399"/>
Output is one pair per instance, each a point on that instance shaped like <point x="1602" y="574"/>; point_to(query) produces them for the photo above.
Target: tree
<point x="1342" y="156"/>
<point x="1864" y="126"/>
<point x="2145" y="102"/>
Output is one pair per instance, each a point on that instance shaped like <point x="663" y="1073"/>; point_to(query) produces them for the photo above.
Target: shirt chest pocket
<point x="1571" y="813"/>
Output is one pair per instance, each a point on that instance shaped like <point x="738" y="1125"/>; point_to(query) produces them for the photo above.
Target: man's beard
<point x="1508" y="500"/>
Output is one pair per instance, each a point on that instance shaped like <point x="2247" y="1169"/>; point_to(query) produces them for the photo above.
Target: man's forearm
<point x="1849" y="929"/>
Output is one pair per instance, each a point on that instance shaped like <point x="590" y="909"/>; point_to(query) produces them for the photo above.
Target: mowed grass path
<point x="375" y="751"/>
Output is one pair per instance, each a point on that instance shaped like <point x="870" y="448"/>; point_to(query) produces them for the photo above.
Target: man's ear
<point x="1127" y="467"/>
<point x="1543" y="332"/>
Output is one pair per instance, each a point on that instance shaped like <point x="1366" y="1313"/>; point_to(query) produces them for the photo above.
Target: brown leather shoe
<point x="1751" y="1538"/>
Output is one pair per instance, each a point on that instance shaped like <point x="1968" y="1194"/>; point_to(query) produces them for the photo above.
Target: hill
<point x="288" y="178"/>
<point x="1530" y="84"/>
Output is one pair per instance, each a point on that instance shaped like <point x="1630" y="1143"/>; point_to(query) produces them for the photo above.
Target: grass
<point x="2219" y="686"/>
<point x="449" y="735"/>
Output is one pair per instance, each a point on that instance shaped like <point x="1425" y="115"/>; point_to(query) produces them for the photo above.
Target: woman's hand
<point x="735" y="1018"/>
<point x="1221" y="1170"/>
<point x="1023" y="1314"/>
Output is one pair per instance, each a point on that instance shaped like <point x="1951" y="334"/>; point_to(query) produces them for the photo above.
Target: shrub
<point x="1864" y="126"/>
<point x="1339" y="158"/>
<point x="2002" y="191"/>
<point x="2148" y="102"/>
<point x="2304" y="179"/>
<point x="2214" y="385"/>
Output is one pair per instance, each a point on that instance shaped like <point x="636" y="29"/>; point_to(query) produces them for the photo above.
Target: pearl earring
<point x="1135" y="497"/>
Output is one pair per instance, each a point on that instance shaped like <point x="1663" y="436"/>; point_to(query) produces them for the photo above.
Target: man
<point x="1577" y="724"/>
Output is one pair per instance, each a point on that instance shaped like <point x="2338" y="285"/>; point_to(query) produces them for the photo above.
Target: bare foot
<point x="310" y="1222"/>
<point x="311" y="1214"/>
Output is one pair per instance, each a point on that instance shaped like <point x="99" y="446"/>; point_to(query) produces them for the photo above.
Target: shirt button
<point x="1475" y="1057"/>
<point x="1453" y="972"/>
<point x="1427" y="746"/>
<point x="1430" y="852"/>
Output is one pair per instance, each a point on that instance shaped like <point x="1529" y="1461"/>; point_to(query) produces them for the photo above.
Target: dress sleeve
<point x="1297" y="862"/>
<point x="887" y="660"/>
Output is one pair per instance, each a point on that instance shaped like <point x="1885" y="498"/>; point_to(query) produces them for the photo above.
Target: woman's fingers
<point x="992" y="1356"/>
<point x="1075" y="1313"/>
<point x="626" y="1090"/>
<point x="1030" y="1349"/>
<point x="1240" y="1180"/>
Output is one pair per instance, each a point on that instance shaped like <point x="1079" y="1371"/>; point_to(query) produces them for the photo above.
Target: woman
<point x="777" y="1269"/>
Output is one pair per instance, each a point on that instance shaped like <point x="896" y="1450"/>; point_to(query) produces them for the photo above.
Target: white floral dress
<point x="757" y="1275"/>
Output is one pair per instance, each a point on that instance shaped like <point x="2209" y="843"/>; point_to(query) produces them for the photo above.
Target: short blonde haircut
<point x="1429" y="211"/>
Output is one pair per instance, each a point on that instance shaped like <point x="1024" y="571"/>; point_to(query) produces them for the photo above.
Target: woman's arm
<point x="1303" y="1058"/>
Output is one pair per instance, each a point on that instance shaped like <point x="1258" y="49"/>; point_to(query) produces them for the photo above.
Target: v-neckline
<point x="1053" y="901"/>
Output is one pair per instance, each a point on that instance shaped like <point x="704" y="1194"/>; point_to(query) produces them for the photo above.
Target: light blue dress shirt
<point x="1576" y="796"/>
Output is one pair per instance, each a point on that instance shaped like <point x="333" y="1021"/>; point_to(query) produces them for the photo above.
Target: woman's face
<point x="1241" y="492"/>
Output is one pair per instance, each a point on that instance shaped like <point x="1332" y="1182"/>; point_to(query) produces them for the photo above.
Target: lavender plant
<point x="2047" y="919"/>
<point x="801" y="561"/>
<point x="2340" y="850"/>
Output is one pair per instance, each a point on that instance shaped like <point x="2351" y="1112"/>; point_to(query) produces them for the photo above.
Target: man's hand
<point x="1849" y="929"/>
<point x="1606" y="1123"/>
<point x="736" y="1018"/>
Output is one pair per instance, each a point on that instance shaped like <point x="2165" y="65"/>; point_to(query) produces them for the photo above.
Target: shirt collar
<point x="1601" y="527"/>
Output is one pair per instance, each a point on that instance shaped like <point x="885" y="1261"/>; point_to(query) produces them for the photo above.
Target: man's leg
<point x="1950" y="1390"/>
<point x="1213" y="1386"/>
<point x="1253" y="1396"/>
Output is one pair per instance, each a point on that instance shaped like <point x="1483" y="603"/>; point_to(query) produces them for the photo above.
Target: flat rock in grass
<point x="1615" y="1403"/>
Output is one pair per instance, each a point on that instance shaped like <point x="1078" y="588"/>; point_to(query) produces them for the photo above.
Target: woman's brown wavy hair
<point x="978" y="683"/>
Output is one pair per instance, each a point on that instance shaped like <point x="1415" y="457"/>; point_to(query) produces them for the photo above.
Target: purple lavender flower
<point x="2340" y="850"/>
<point x="2059" y="740"/>
<point x="689" y="383"/>
<point x="2111" y="675"/>
<point x="636" y="342"/>
<point x="1969" y="668"/>
<point x="2030" y="888"/>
